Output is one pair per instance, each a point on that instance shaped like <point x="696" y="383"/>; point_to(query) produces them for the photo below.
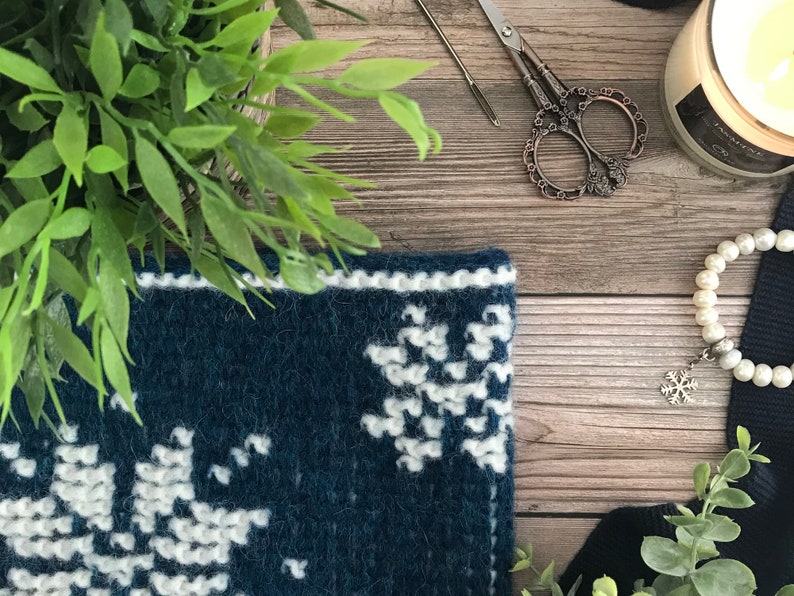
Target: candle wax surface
<point x="769" y="66"/>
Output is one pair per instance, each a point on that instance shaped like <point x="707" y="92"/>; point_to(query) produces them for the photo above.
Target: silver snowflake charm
<point x="680" y="388"/>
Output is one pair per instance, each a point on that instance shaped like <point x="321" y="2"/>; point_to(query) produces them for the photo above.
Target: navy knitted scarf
<point x="358" y="441"/>
<point x="766" y="543"/>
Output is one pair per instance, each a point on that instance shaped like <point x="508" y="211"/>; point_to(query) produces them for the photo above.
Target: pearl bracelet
<point x="680" y="384"/>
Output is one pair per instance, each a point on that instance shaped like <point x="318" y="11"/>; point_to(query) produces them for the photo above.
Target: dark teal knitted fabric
<point x="358" y="441"/>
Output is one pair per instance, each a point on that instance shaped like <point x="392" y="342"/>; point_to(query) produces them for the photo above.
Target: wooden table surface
<point x="605" y="284"/>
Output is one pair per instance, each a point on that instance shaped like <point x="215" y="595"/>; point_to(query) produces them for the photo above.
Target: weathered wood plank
<point x="607" y="39"/>
<point x="593" y="431"/>
<point x="476" y="194"/>
<point x="554" y="539"/>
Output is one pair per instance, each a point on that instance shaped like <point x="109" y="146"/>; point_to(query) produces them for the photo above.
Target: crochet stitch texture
<point x="358" y="441"/>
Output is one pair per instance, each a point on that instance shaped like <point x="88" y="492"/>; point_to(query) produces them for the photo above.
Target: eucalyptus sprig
<point x="688" y="566"/>
<point x="124" y="125"/>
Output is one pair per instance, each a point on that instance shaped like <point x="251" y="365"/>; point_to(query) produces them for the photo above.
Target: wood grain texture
<point x="604" y="283"/>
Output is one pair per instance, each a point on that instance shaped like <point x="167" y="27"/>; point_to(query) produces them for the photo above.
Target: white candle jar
<point x="728" y="88"/>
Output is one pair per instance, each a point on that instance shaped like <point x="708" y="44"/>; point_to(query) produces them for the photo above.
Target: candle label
<point x="721" y="142"/>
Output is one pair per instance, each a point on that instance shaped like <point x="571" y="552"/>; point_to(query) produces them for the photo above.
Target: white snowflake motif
<point x="680" y="388"/>
<point x="83" y="487"/>
<point x="416" y="416"/>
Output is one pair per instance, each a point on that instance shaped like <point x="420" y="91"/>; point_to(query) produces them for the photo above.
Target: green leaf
<point x="406" y="119"/>
<point x="520" y="553"/>
<point x="300" y="273"/>
<point x="71" y="141"/>
<point x="113" y="136"/>
<point x="605" y="586"/>
<point x="381" y="74"/>
<point x="667" y="583"/>
<point x="23" y="224"/>
<point x="311" y="55"/>
<point x="105" y="60"/>
<point x="28" y="119"/>
<point x="759" y="458"/>
<point x="212" y="271"/>
<point x="294" y="17"/>
<point x="119" y="22"/>
<point x="116" y="370"/>
<point x="244" y="30"/>
<point x="735" y="464"/>
<point x="350" y="230"/>
<point x="556" y="590"/>
<point x="32" y="385"/>
<point x="147" y="41"/>
<point x="686" y="511"/>
<point x="665" y="556"/>
<point x="66" y="277"/>
<point x="743" y="438"/>
<point x="159" y="9"/>
<point x="219" y="8"/>
<point x="723" y="529"/>
<point x="520" y="565"/>
<point x="5" y="299"/>
<point x="71" y="223"/>
<point x="115" y="302"/>
<point x="525" y="592"/>
<point x="289" y="124"/>
<point x="159" y="181"/>
<point x="723" y="577"/>
<point x="107" y="239"/>
<point x="733" y="498"/>
<point x="38" y="161"/>
<point x="685" y="590"/>
<point x="229" y="230"/>
<point x="205" y="136"/>
<point x="706" y="548"/>
<point x="196" y="90"/>
<point x="271" y="172"/>
<point x="145" y="221"/>
<point x="787" y="590"/>
<point x="103" y="159"/>
<point x="694" y="525"/>
<point x="575" y="587"/>
<point x="547" y="575"/>
<point x="700" y="476"/>
<point x="75" y="353"/>
<point x="89" y="305"/>
<point x="27" y="72"/>
<point x="141" y="81"/>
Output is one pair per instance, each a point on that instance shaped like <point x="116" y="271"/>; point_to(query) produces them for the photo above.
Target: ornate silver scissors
<point x="560" y="111"/>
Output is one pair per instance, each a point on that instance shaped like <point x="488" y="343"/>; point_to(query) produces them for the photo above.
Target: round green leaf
<point x="141" y="81"/>
<point x="787" y="590"/>
<point x="733" y="498"/>
<point x="665" y="556"/>
<point x="735" y="465"/>
<point x="724" y="577"/>
<point x="605" y="586"/>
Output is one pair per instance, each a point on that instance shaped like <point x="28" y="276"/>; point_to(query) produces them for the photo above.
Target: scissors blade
<point x="503" y="27"/>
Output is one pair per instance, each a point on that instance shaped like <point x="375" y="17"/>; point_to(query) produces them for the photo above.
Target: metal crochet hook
<point x="475" y="88"/>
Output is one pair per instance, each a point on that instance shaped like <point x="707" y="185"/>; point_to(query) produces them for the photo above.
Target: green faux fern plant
<point x="122" y="127"/>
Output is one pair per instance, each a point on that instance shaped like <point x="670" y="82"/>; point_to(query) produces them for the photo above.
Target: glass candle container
<point x="728" y="87"/>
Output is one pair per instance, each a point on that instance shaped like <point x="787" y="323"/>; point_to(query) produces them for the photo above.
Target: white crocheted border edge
<point x="396" y="281"/>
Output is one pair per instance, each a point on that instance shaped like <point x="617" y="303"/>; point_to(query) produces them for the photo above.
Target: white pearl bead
<point x="706" y="316"/>
<point x="782" y="376"/>
<point x="716" y="263"/>
<point x="730" y="360"/>
<point x="728" y="250"/>
<point x="785" y="241"/>
<point x="744" y="371"/>
<point x="762" y="375"/>
<point x="703" y="298"/>
<point x="707" y="280"/>
<point x="713" y="333"/>
<point x="745" y="242"/>
<point x="764" y="239"/>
